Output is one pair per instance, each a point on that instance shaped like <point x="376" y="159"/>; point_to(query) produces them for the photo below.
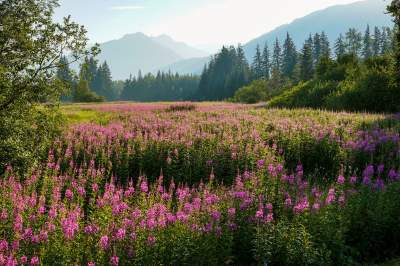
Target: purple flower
<point x="341" y="180"/>
<point x="260" y="164"/>
<point x="231" y="212"/>
<point x="104" y="242"/>
<point x="143" y="186"/>
<point x="114" y="261"/>
<point x="259" y="214"/>
<point x="34" y="260"/>
<point x="151" y="240"/>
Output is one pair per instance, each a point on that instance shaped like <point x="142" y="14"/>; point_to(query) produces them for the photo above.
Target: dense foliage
<point x="162" y="87"/>
<point x="360" y="77"/>
<point x="30" y="48"/>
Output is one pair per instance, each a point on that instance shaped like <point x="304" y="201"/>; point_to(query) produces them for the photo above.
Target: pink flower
<point x="34" y="260"/>
<point x="114" y="260"/>
<point x="104" y="242"/>
<point x="121" y="234"/>
<point x="143" y="186"/>
<point x="353" y="180"/>
<point x="269" y="218"/>
<point x="231" y="212"/>
<point x="259" y="214"/>
<point x="151" y="240"/>
<point x="69" y="194"/>
<point x="341" y="180"/>
<point x="23" y="260"/>
<point x="91" y="263"/>
<point x="216" y="215"/>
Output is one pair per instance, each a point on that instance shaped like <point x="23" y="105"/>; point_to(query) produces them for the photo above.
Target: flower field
<point x="207" y="184"/>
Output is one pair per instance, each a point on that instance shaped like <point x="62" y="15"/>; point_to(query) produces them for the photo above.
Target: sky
<point x="205" y="24"/>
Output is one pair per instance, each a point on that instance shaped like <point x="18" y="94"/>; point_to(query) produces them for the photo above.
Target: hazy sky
<point x="196" y="22"/>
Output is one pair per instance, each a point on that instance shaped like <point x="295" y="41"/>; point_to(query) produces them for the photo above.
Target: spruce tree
<point x="340" y="46"/>
<point x="353" y="41"/>
<point x="289" y="57"/>
<point x="277" y="57"/>
<point x="65" y="74"/>
<point x="325" y="46"/>
<point x="385" y="40"/>
<point x="266" y="62"/>
<point x="102" y="83"/>
<point x="306" y="62"/>
<point x="394" y="10"/>
<point x="256" y="67"/>
<point x="376" y="42"/>
<point x="367" y="44"/>
<point x="316" y="47"/>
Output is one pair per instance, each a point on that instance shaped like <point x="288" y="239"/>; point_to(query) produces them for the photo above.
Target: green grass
<point x="76" y="115"/>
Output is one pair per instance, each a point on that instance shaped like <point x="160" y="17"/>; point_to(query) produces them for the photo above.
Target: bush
<point x="253" y="93"/>
<point x="25" y="140"/>
<point x="344" y="85"/>
<point x="308" y="94"/>
<point x="374" y="218"/>
<point x="287" y="243"/>
<point x="371" y="89"/>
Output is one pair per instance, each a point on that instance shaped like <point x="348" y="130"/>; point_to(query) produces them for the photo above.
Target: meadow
<point x="207" y="184"/>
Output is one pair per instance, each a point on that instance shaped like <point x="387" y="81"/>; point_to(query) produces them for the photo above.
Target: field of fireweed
<point x="207" y="184"/>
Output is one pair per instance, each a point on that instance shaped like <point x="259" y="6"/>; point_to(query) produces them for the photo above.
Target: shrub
<point x="253" y="93"/>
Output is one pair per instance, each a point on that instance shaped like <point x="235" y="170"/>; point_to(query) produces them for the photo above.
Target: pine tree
<point x="289" y="57"/>
<point x="376" y="42"/>
<point x="340" y="47"/>
<point x="102" y="83"/>
<point x="306" y="63"/>
<point x="316" y="47"/>
<point x="367" y="44"/>
<point x="256" y="67"/>
<point x="353" y="41"/>
<point x="385" y="41"/>
<point x="266" y="62"/>
<point x="65" y="74"/>
<point x="325" y="46"/>
<point x="277" y="58"/>
<point x="394" y="10"/>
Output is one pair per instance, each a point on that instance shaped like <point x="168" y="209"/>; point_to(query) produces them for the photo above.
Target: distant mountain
<point x="181" y="48"/>
<point x="333" y="20"/>
<point x="136" y="51"/>
<point x="187" y="66"/>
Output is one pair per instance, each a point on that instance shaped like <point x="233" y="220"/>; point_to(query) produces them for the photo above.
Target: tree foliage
<point x="31" y="46"/>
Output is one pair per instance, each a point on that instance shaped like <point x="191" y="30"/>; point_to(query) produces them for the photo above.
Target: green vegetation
<point x="255" y="92"/>
<point x="31" y="45"/>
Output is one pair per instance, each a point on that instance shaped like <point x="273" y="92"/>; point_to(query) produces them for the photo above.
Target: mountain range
<point x="137" y="51"/>
<point x="150" y="54"/>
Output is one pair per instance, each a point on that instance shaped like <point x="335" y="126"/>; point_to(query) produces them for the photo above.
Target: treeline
<point x="227" y="71"/>
<point x="93" y="83"/>
<point x="163" y="86"/>
<point x="229" y="75"/>
<point x="353" y="74"/>
<point x="283" y="65"/>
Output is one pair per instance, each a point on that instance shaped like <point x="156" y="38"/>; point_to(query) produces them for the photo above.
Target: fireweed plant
<point x="208" y="184"/>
